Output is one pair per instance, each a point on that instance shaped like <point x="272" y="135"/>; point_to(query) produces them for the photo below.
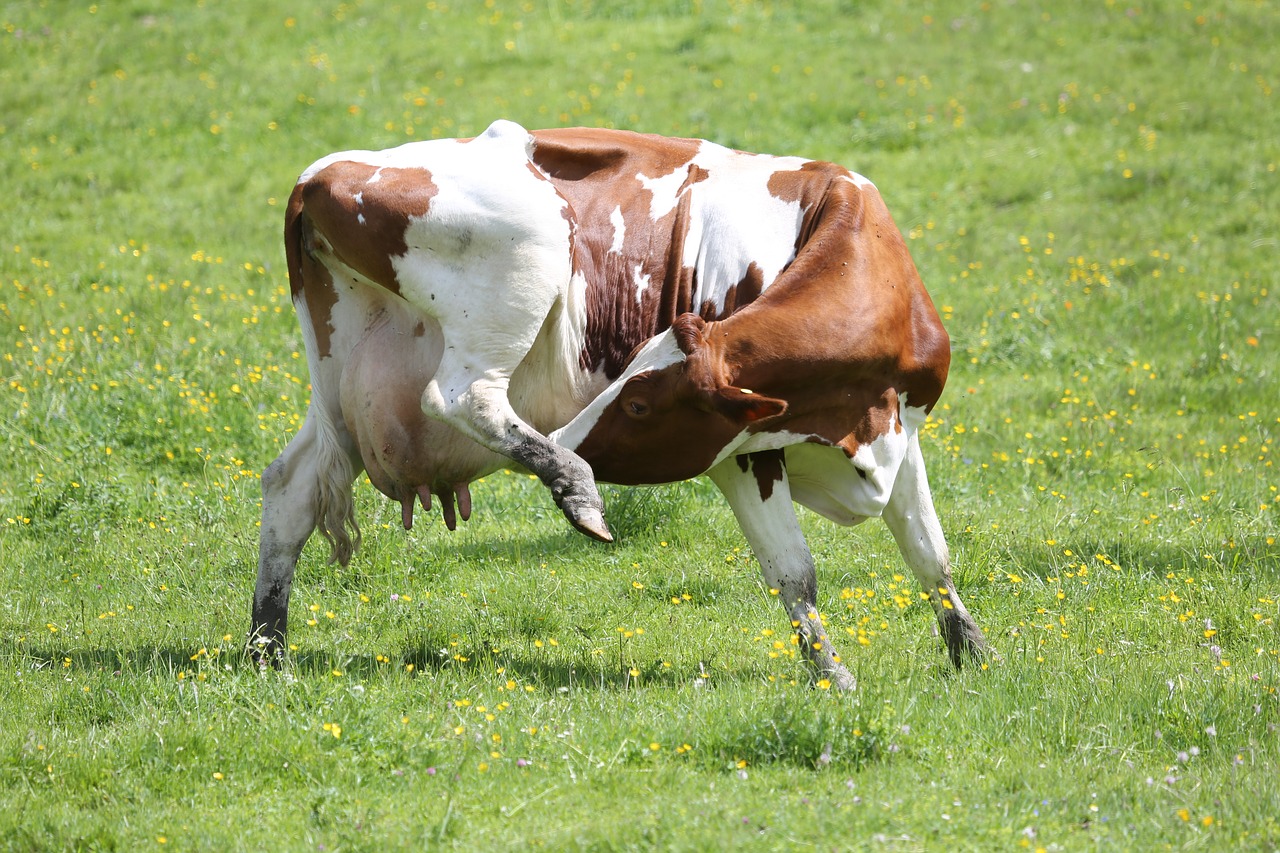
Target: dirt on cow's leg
<point x="581" y="504"/>
<point x="483" y="412"/>
<point x="572" y="485"/>
<point x="965" y="643"/>
<point x="270" y="616"/>
<point x="913" y="521"/>
<point x="771" y="527"/>
<point x="281" y="544"/>
<point x="813" y="641"/>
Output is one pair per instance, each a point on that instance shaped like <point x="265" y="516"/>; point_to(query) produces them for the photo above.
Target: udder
<point x="408" y="456"/>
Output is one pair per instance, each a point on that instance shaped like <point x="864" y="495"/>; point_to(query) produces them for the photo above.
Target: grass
<point x="1089" y="191"/>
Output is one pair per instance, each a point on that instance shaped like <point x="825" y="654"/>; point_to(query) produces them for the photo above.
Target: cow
<point x="601" y="305"/>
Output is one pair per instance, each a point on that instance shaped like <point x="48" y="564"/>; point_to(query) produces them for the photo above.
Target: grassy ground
<point x="1090" y="191"/>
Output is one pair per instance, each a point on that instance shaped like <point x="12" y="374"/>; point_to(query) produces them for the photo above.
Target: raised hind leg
<point x="914" y="523"/>
<point x="757" y="489"/>
<point x="492" y="262"/>
<point x="478" y="406"/>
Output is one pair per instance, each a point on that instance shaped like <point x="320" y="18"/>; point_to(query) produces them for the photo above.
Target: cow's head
<point x="671" y="413"/>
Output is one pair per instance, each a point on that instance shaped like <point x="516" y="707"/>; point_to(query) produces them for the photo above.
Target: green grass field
<point x="1090" y="191"/>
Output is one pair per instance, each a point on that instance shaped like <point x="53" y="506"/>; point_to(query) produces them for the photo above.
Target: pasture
<point x="1090" y="191"/>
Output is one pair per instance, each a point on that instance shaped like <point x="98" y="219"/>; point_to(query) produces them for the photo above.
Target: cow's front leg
<point x="914" y="523"/>
<point x="479" y="407"/>
<point x="757" y="489"/>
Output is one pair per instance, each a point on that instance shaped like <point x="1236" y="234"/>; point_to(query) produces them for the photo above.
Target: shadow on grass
<point x="418" y="658"/>
<point x="154" y="660"/>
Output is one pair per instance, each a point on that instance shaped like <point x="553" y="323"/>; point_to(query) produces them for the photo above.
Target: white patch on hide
<point x="734" y="220"/>
<point x="619" y="230"/>
<point x="859" y="181"/>
<point x="825" y="480"/>
<point x="642" y="281"/>
<point x="739" y="222"/>
<point x="665" y="190"/>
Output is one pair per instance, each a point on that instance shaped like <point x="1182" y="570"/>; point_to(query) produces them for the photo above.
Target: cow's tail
<point x="335" y="508"/>
<point x="334" y="468"/>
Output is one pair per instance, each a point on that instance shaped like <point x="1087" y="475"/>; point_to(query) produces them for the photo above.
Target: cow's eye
<point x="637" y="408"/>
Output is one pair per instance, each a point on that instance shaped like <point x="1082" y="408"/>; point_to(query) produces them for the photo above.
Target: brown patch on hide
<point x="309" y="279"/>
<point x="360" y="214"/>
<point x="837" y="341"/>
<point x="599" y="174"/>
<point x="768" y="466"/>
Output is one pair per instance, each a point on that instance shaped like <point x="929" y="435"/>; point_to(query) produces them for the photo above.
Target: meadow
<point x="1090" y="191"/>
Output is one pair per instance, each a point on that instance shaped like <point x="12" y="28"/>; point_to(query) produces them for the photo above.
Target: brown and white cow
<point x="604" y="305"/>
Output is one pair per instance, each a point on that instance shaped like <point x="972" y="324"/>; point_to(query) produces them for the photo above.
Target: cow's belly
<point x="847" y="491"/>
<point x="381" y="389"/>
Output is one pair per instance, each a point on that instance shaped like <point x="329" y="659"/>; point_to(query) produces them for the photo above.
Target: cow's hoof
<point x="965" y="643"/>
<point x="836" y="677"/>
<point x="588" y="520"/>
<point x="264" y="652"/>
<point x="844" y="680"/>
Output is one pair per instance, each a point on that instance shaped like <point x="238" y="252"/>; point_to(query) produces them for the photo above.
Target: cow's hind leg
<point x="493" y="264"/>
<point x="914" y="523"/>
<point x="757" y="489"/>
<point x="307" y="486"/>
<point x="477" y="405"/>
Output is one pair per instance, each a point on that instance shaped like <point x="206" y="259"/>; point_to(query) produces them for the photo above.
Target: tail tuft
<point x="335" y="506"/>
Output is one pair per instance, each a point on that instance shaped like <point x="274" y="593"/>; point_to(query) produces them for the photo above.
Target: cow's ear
<point x="746" y="406"/>
<point x="689" y="330"/>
